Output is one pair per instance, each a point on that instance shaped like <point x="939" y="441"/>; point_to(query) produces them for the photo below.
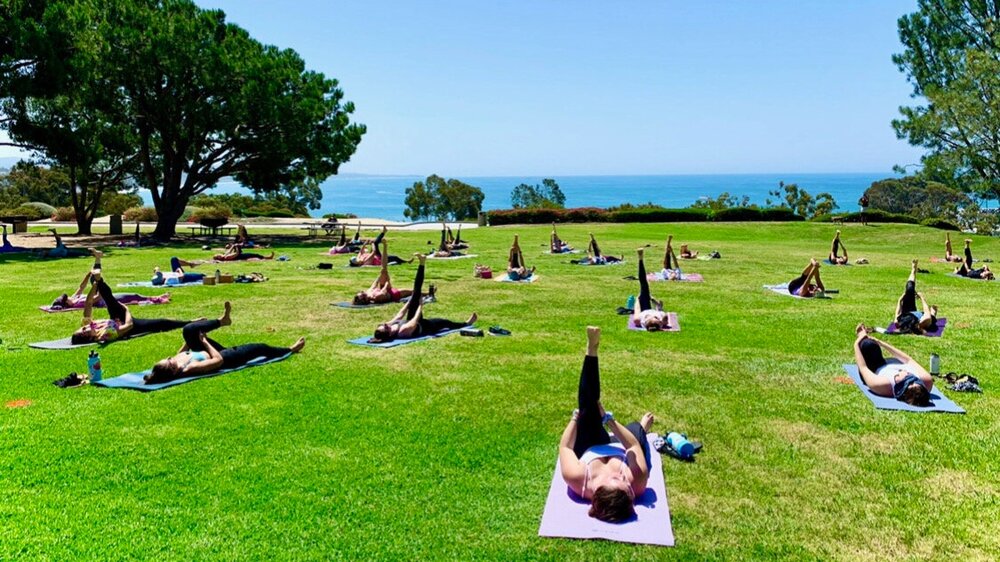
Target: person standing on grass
<point x="863" y="203"/>
<point x="611" y="474"/>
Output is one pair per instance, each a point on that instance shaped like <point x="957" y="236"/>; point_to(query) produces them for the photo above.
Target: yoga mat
<point x="66" y="343"/>
<point x="49" y="309"/>
<point x="401" y="301"/>
<point x="828" y="262"/>
<point x="964" y="277"/>
<point x="783" y="290"/>
<point x="163" y="286"/>
<point x="675" y="325"/>
<point x="134" y="381"/>
<point x="363" y="340"/>
<point x="551" y="253"/>
<point x="462" y="257"/>
<point x="598" y="264"/>
<point x="940" y="402"/>
<point x="941" y="323"/>
<point x="566" y="516"/>
<point x="689" y="277"/>
<point x="506" y="279"/>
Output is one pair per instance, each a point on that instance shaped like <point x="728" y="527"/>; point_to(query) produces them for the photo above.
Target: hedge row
<point x="870" y="216"/>
<point x="594" y="214"/>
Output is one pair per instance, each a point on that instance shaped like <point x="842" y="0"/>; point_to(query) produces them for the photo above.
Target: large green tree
<point x="441" y="199"/>
<point x="208" y="101"/>
<point x="951" y="56"/>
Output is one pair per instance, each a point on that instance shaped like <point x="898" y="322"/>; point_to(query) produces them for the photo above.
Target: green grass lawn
<point x="445" y="449"/>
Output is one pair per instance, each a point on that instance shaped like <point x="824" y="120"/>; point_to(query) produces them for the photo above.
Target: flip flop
<point x="498" y="331"/>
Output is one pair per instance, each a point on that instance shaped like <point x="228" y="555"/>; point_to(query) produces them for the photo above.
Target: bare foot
<point x="298" y="345"/>
<point x="640" y="251"/>
<point x="225" y="320"/>
<point x="647" y="421"/>
<point x="271" y="257"/>
<point x="96" y="253"/>
<point x="472" y="319"/>
<point x="914" y="264"/>
<point x="861" y="329"/>
<point x="812" y="261"/>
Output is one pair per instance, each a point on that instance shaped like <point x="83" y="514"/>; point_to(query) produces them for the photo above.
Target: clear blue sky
<point x="577" y="87"/>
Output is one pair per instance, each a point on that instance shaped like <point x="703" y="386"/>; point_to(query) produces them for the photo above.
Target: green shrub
<point x="941" y="224"/>
<point x="659" y="214"/>
<point x="140" y="214"/>
<point x="63" y="214"/>
<point x="340" y="216"/>
<point x="26" y="210"/>
<point x="780" y="214"/>
<point x="188" y="211"/>
<point x="214" y="212"/>
<point x="738" y="214"/>
<point x="279" y="214"/>
<point x="879" y="216"/>
<point x="543" y="216"/>
<point x="45" y="208"/>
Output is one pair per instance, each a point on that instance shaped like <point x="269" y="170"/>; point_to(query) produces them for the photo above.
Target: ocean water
<point x="382" y="196"/>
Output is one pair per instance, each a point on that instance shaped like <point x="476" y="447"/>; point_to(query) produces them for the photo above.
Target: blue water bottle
<point x="94" y="366"/>
<point x="679" y="443"/>
<point x="630" y="303"/>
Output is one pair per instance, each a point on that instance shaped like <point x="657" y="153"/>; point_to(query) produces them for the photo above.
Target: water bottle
<point x="679" y="443"/>
<point x="94" y="366"/>
<point x="935" y="364"/>
<point x="630" y="303"/>
<point x="218" y="276"/>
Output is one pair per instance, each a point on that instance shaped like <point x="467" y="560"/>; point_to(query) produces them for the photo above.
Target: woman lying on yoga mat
<point x="200" y="355"/>
<point x="78" y="299"/>
<point x="905" y="381"/>
<point x="61" y="251"/>
<point x="446" y="249"/>
<point x="556" y="245"/>
<point x="594" y="256"/>
<point x="687" y="254"/>
<point x="410" y="322"/>
<point x="345" y="246"/>
<point x="374" y="255"/>
<point x="611" y="474"/>
<point x="671" y="267"/>
<point x="648" y="312"/>
<point x="516" y="270"/>
<point x="234" y="252"/>
<point x="835" y="258"/>
<point x="177" y="275"/>
<point x="966" y="270"/>
<point x="952" y="257"/>
<point x="809" y="283"/>
<point x="382" y="290"/>
<point x="908" y="319"/>
<point x="120" y="322"/>
<point x="455" y="242"/>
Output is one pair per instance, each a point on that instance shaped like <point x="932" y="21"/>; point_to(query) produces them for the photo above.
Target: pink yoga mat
<point x="675" y="325"/>
<point x="566" y="516"/>
<point x="685" y="277"/>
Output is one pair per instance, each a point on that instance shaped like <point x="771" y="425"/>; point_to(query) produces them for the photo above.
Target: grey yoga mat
<point x="66" y="343"/>
<point x="363" y="340"/>
<point x="939" y="402"/>
<point x="134" y="381"/>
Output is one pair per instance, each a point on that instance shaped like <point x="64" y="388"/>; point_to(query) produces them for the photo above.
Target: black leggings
<point x="378" y="243"/>
<point x="909" y="303"/>
<point x="795" y="284"/>
<point x="645" y="298"/>
<point x="589" y="429"/>
<point x="514" y="260"/>
<point x="834" y="251"/>
<point x="668" y="258"/>
<point x="231" y="356"/>
<point x="594" y="248"/>
<point x="872" y="354"/>
<point x="968" y="257"/>
<point x="243" y="256"/>
<point x="116" y="311"/>
<point x="426" y="326"/>
<point x="444" y="245"/>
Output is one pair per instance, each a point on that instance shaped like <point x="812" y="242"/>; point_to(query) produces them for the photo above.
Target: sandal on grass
<point x="70" y="381"/>
<point x="498" y="331"/>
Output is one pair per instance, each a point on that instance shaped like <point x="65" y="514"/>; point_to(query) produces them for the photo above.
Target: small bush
<point x="659" y="214"/>
<point x="140" y="214"/>
<point x="780" y="214"/>
<point x="188" y="211"/>
<point x="26" y="210"/>
<point x="738" y="214"/>
<point x="879" y="216"/>
<point x="543" y="216"/>
<point x="63" y="214"/>
<point x="340" y="216"/>
<point x="213" y="213"/>
<point x="279" y="214"/>
<point x="45" y="208"/>
<point x="941" y="224"/>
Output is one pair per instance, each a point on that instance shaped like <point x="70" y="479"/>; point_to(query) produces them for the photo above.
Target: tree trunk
<point x="83" y="222"/>
<point x="168" y="212"/>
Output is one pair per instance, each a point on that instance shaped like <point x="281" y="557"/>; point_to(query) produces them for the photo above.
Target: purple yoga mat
<point x="566" y="516"/>
<point x="685" y="277"/>
<point x="675" y="325"/>
<point x="941" y="323"/>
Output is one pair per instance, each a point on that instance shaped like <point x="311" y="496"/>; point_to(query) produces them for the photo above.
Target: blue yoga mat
<point x="134" y="380"/>
<point x="828" y="262"/>
<point x="939" y="402"/>
<point x="363" y="340"/>
<point x="160" y="286"/>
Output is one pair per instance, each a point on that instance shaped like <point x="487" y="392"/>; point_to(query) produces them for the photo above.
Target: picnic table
<point x="19" y="222"/>
<point x="202" y="230"/>
<point x="328" y="227"/>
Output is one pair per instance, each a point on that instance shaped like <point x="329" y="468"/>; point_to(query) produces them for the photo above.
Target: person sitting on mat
<point x="835" y="258"/>
<point x="648" y="312"/>
<point x="556" y="245"/>
<point x="908" y="319"/>
<point x="671" y="267"/>
<point x="243" y="237"/>
<point x="120" y="322"/>
<point x="234" y="252"/>
<point x="609" y="473"/>
<point x="374" y="255"/>
<point x="177" y="275"/>
<point x="410" y="323"/>
<point x="446" y="249"/>
<point x="201" y="355"/>
<point x="808" y="284"/>
<point x="78" y="299"/>
<point x="955" y="258"/>
<point x="687" y="254"/>
<point x="61" y="251"/>
<point x="905" y="381"/>
<point x="594" y="256"/>
<point x="516" y="269"/>
<point x="382" y="291"/>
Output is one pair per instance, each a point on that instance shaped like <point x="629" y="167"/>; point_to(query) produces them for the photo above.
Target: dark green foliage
<point x="27" y="181"/>
<point x="340" y="216"/>
<point x="917" y="197"/>
<point x="951" y="56"/>
<point x="723" y="201"/>
<point x="660" y="214"/>
<point x="441" y="199"/>
<point x="140" y="214"/>
<point x="645" y="213"/>
<point x="870" y="216"/>
<point x="548" y="196"/>
<point x="116" y="203"/>
<point x="801" y="202"/>
<point x="31" y="212"/>
<point x="941" y="224"/>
